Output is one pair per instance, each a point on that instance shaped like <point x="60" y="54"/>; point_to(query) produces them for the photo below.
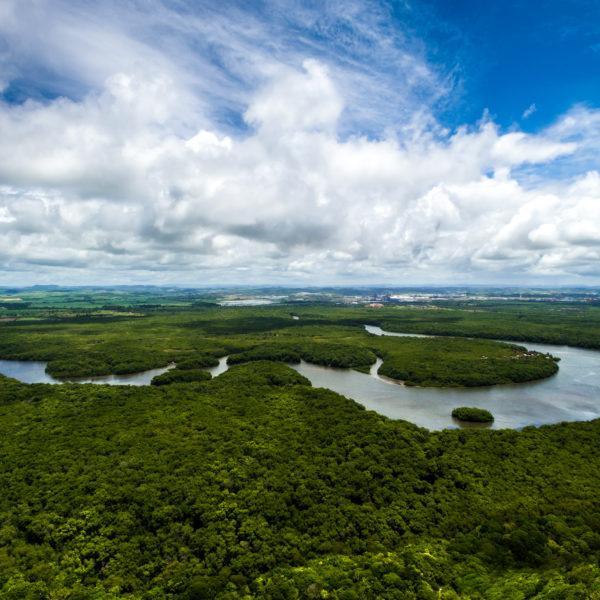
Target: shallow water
<point x="220" y="368"/>
<point x="571" y="395"/>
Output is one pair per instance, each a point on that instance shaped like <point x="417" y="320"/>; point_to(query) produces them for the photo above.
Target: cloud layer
<point x="136" y="179"/>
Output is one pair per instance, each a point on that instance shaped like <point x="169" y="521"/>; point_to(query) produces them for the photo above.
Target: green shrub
<point x="267" y="352"/>
<point x="197" y="362"/>
<point x="263" y="372"/>
<point x="326" y="354"/>
<point x="473" y="415"/>
<point x="338" y="355"/>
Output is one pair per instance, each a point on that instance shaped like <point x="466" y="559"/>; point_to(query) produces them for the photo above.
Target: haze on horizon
<point x="303" y="143"/>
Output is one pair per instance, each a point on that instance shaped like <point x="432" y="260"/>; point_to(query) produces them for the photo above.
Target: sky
<point x="283" y="142"/>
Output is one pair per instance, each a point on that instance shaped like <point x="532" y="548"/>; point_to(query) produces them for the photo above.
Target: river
<point x="29" y="371"/>
<point x="571" y="395"/>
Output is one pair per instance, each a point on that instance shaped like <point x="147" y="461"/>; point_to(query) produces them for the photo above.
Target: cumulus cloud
<point x="297" y="101"/>
<point x="135" y="181"/>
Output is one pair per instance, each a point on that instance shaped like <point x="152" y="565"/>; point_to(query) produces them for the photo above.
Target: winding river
<point x="29" y="371"/>
<point x="571" y="395"/>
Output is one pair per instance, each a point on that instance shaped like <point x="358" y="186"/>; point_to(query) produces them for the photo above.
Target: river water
<point x="571" y="395"/>
<point x="29" y="371"/>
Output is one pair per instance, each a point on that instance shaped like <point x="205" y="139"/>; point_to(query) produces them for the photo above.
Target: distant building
<point x="375" y="305"/>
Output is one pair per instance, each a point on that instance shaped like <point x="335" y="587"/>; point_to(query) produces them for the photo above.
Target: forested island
<point x="255" y="484"/>
<point x="472" y="414"/>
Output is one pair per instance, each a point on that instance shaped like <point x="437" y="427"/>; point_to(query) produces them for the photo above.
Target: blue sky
<point x="501" y="57"/>
<point x="511" y="55"/>
<point x="179" y="141"/>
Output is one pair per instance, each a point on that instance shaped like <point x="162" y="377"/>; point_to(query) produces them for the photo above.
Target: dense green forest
<point x="546" y="323"/>
<point x="324" y="335"/>
<point x="181" y="376"/>
<point x="253" y="484"/>
<point x="460" y="362"/>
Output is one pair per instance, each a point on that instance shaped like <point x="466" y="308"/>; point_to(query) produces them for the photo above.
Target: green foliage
<point x="329" y="355"/>
<point x="338" y="355"/>
<point x="461" y="362"/>
<point x="472" y="414"/>
<point x="326" y="336"/>
<point x="243" y="324"/>
<point x="197" y="362"/>
<point x="544" y="322"/>
<point x="255" y="485"/>
<point x="181" y="376"/>
<point x="285" y="354"/>
<point x="263" y="373"/>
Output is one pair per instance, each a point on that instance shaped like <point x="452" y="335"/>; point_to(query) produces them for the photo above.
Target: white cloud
<point x="518" y="148"/>
<point x="529" y="111"/>
<point x="294" y="101"/>
<point x="106" y="184"/>
<point x="135" y="177"/>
